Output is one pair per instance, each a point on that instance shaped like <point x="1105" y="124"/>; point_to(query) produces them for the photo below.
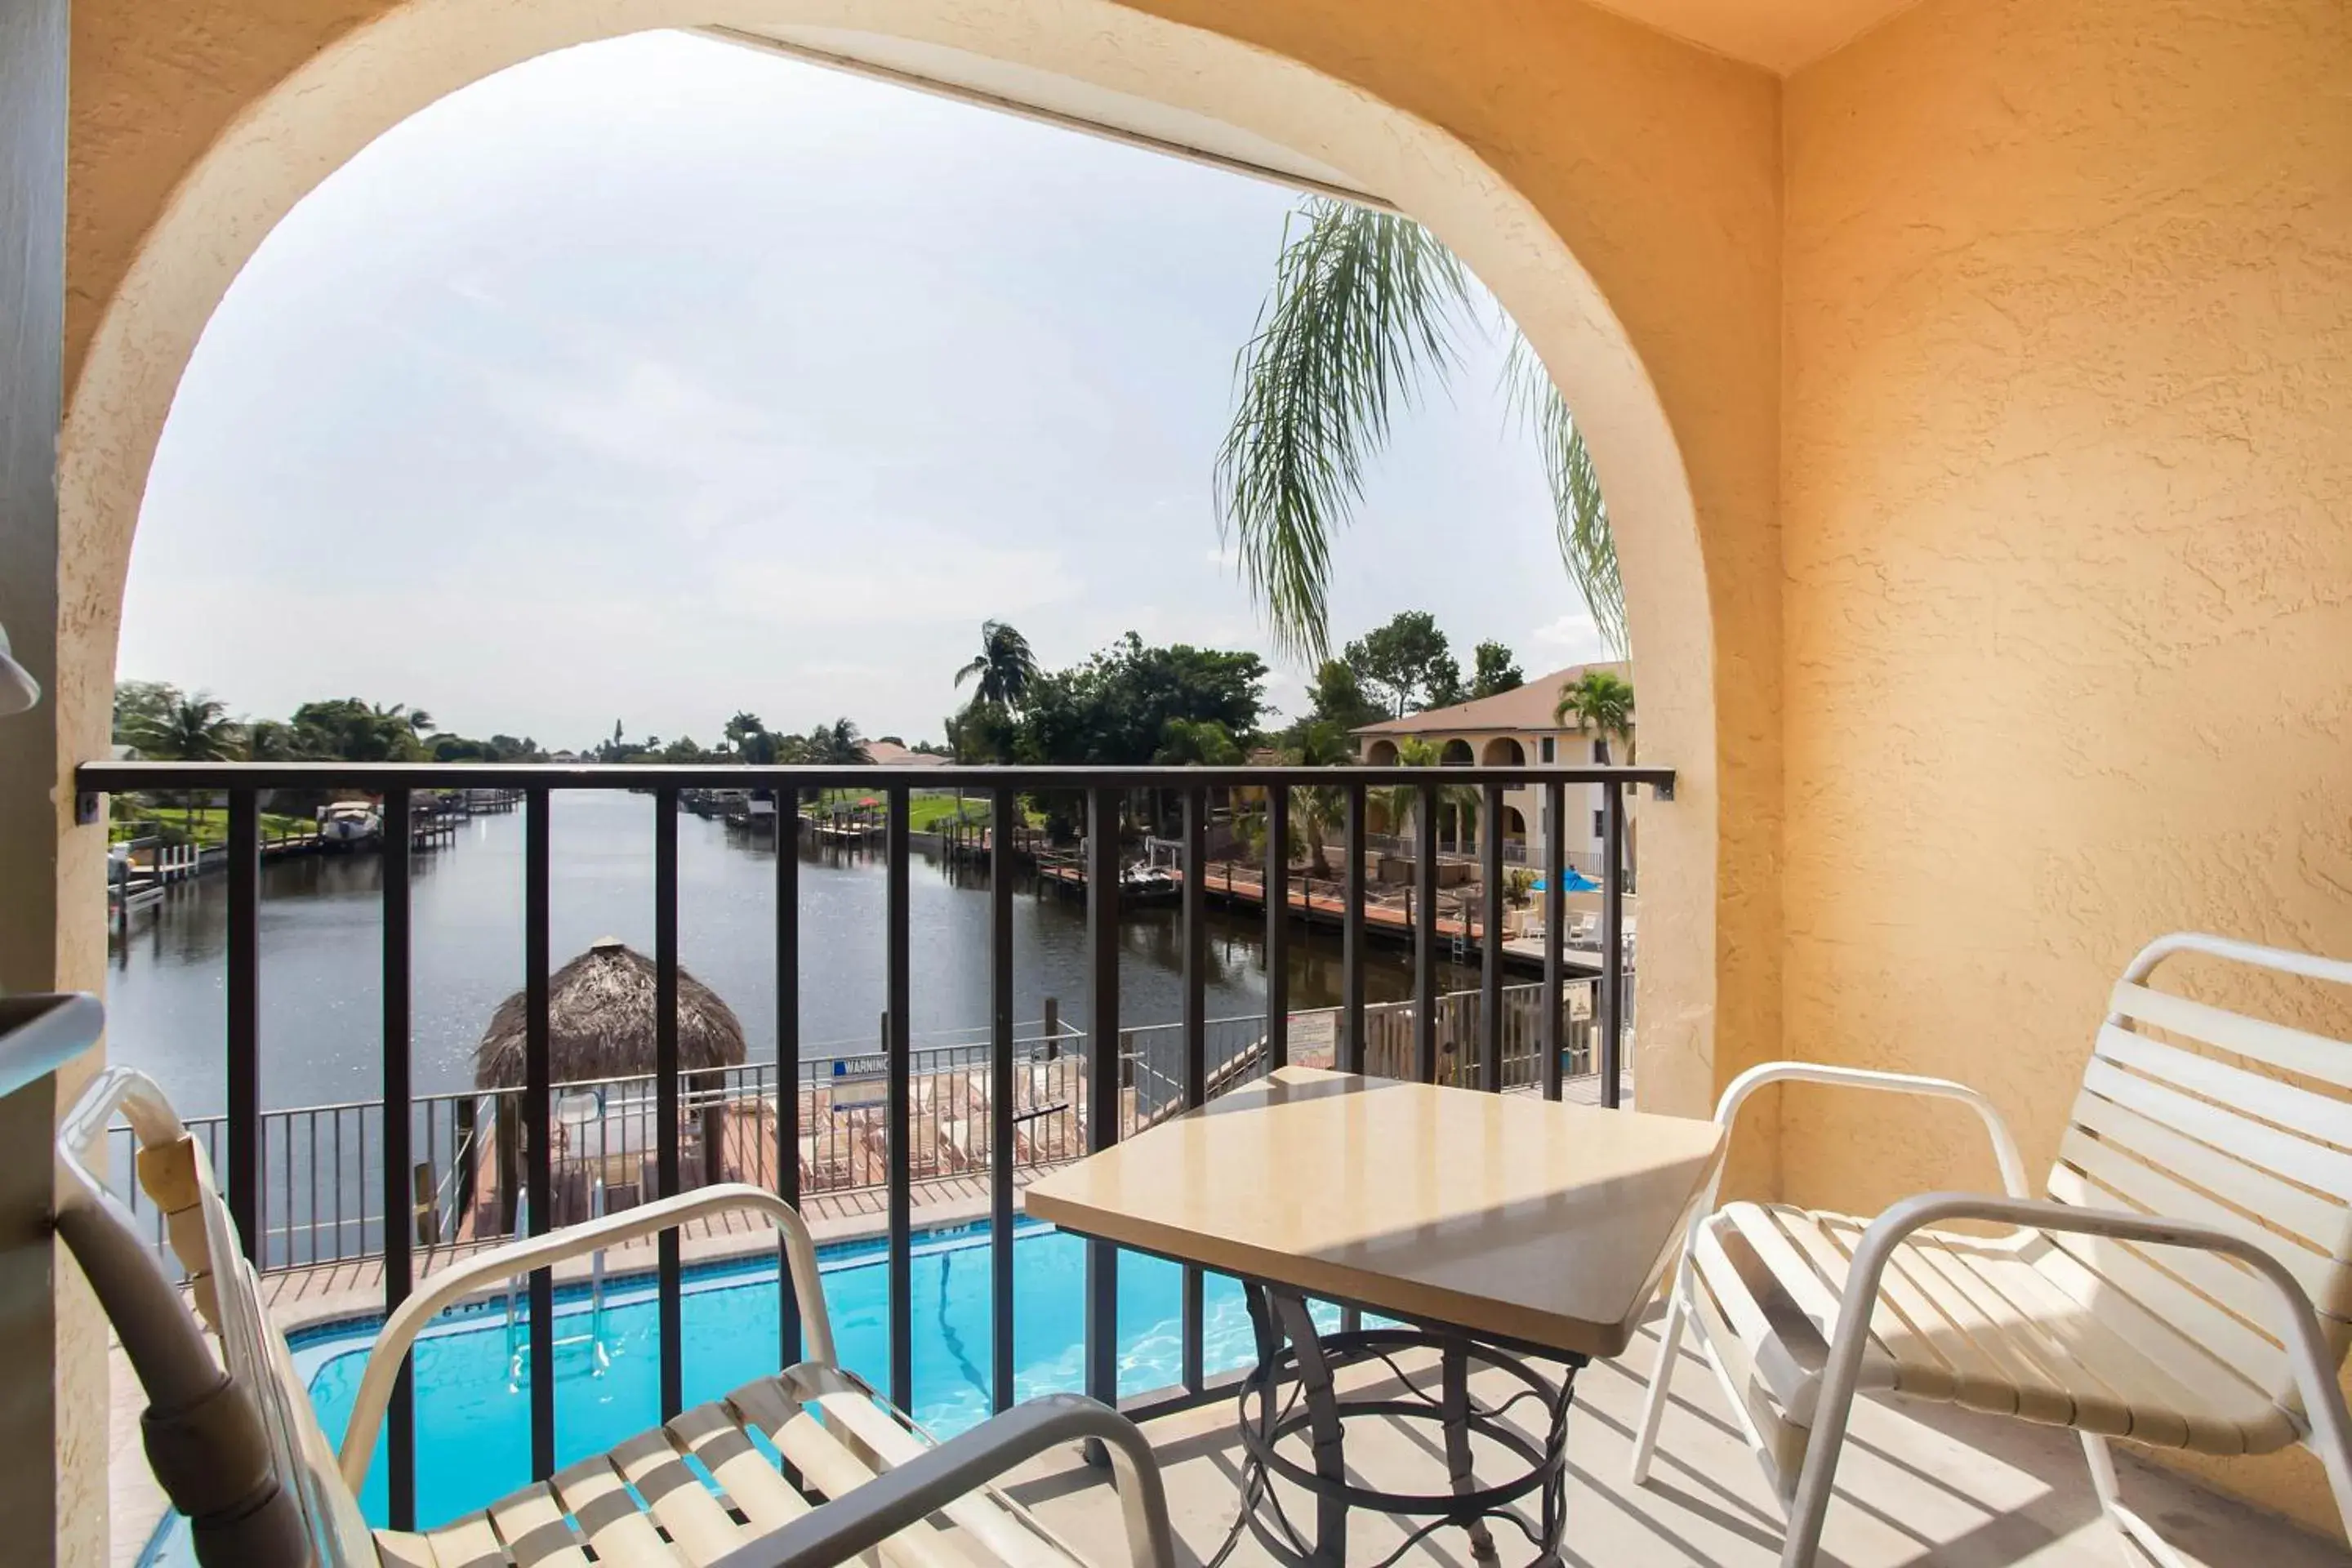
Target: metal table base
<point x="1292" y="1401"/>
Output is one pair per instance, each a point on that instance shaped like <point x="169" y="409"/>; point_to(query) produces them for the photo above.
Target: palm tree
<point x="190" y="729"/>
<point x="1364" y="305"/>
<point x="1600" y="702"/>
<point x="836" y="746"/>
<point x="1402" y="802"/>
<point x="1004" y="668"/>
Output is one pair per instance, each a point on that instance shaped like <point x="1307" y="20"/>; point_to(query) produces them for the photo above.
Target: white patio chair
<point x="2165" y="1291"/>
<point x="236" y="1446"/>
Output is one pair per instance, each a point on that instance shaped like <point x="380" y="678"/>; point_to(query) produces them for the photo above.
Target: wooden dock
<point x="1318" y="902"/>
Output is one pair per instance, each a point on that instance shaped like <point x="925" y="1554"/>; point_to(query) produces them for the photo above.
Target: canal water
<point x="321" y="953"/>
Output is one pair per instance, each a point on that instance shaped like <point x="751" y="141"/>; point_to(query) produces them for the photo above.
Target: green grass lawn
<point x="928" y="811"/>
<point x="205" y="825"/>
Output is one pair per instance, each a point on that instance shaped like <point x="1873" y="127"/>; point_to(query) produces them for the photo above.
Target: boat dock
<point x="1319" y="902"/>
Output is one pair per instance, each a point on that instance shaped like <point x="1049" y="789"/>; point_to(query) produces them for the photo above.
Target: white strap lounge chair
<point x="236" y="1446"/>
<point x="2184" y="1284"/>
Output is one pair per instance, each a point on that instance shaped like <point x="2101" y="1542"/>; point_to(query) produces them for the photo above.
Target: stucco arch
<point x="1502" y="752"/>
<point x="1455" y="754"/>
<point x="170" y="202"/>
<point x="1381" y="753"/>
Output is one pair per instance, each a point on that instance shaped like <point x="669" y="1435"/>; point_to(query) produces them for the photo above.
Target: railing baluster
<point x="1277" y="926"/>
<point x="788" y="1052"/>
<point x="1424" y="938"/>
<point x="1101" y="1355"/>
<point x="1548" y="1035"/>
<point x="1490" y="921"/>
<point x="1349" y="1053"/>
<point x="537" y="1183"/>
<point x="400" y="1438"/>
<point x="243" y="986"/>
<point x="1612" y="940"/>
<point x="1194" y="1068"/>
<point x="1002" y="806"/>
<point x="666" y="1087"/>
<point x="899" y="1044"/>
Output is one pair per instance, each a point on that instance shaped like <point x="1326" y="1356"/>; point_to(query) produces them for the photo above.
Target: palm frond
<point x="1587" y="548"/>
<point x="1362" y="303"/>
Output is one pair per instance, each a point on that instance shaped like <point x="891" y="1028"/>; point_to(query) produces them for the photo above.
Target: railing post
<point x="1348" y="1052"/>
<point x="1613" y="941"/>
<point x="538" y="1186"/>
<point x="1101" y="1352"/>
<point x="1549" y="1036"/>
<point x="788" y="1056"/>
<point x="1277" y="926"/>
<point x="243" y="988"/>
<point x="667" y="1086"/>
<point x="898" y="990"/>
<point x="399" y="1426"/>
<point x="1001" y="1092"/>
<point x="1194" y="1070"/>
<point x="1424" y="938"/>
<point x="1490" y="989"/>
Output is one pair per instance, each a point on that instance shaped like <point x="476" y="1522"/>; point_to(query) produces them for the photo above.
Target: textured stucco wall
<point x="2068" y="531"/>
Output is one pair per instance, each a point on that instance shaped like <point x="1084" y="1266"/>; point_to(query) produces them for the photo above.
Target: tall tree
<point x="1338" y="698"/>
<point x="138" y="705"/>
<point x="1003" y="670"/>
<point x="1406" y="664"/>
<point x="1600" y="702"/>
<point x="1365" y="305"/>
<point x="1496" y="671"/>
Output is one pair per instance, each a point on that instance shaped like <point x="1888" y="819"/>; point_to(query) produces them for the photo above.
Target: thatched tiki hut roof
<point x="600" y="1023"/>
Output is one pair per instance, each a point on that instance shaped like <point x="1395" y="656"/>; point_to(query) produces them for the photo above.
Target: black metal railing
<point x="1401" y="1038"/>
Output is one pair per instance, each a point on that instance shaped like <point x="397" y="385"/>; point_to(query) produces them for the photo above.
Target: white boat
<point x="348" y="823"/>
<point x="1148" y="884"/>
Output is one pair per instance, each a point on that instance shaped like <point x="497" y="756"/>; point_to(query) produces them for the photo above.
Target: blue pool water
<point x="473" y="1424"/>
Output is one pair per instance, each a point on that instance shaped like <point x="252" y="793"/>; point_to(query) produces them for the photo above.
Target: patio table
<point x="1496" y="1229"/>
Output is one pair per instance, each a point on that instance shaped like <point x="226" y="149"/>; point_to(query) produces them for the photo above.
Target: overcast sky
<point x="659" y="378"/>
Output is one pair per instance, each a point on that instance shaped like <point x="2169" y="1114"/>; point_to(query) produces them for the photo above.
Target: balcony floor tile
<point x="1918" y="1485"/>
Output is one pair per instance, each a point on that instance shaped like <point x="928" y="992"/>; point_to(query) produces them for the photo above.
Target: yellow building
<point x="1522" y="726"/>
<point x="1968" y="380"/>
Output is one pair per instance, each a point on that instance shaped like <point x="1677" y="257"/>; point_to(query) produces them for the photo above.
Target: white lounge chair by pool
<point x="236" y="1446"/>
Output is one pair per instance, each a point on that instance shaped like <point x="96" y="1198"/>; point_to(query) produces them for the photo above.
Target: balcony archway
<point x="1381" y="753"/>
<point x="1502" y="752"/>
<point x="1455" y="754"/>
<point x="170" y="204"/>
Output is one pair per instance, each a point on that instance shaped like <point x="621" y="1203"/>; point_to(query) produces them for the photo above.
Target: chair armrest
<point x="2004" y="1143"/>
<point x="871" y="1513"/>
<point x="523" y="1256"/>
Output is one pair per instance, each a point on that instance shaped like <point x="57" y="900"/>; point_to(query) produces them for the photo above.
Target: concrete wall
<point x="2068" y="533"/>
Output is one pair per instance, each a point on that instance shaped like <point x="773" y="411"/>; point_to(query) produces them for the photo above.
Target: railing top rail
<point x="143" y="776"/>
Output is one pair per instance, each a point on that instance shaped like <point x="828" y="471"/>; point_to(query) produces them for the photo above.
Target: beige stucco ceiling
<point x="1778" y="35"/>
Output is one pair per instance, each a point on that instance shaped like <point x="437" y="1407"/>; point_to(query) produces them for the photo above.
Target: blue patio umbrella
<point x="1572" y="881"/>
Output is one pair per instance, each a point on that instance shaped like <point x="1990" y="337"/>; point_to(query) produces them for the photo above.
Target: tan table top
<point x="1502" y="1214"/>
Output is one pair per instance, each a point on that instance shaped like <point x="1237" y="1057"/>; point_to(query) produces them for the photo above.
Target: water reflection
<point x="321" y="953"/>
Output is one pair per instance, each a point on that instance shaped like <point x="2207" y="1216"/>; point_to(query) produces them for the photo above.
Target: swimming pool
<point x="473" y="1424"/>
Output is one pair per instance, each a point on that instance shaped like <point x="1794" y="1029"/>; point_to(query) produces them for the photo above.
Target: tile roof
<point x="1523" y="708"/>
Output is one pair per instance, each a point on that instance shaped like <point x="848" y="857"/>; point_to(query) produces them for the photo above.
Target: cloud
<point x="1573" y="638"/>
<point x="1225" y="557"/>
<point x="913" y="583"/>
